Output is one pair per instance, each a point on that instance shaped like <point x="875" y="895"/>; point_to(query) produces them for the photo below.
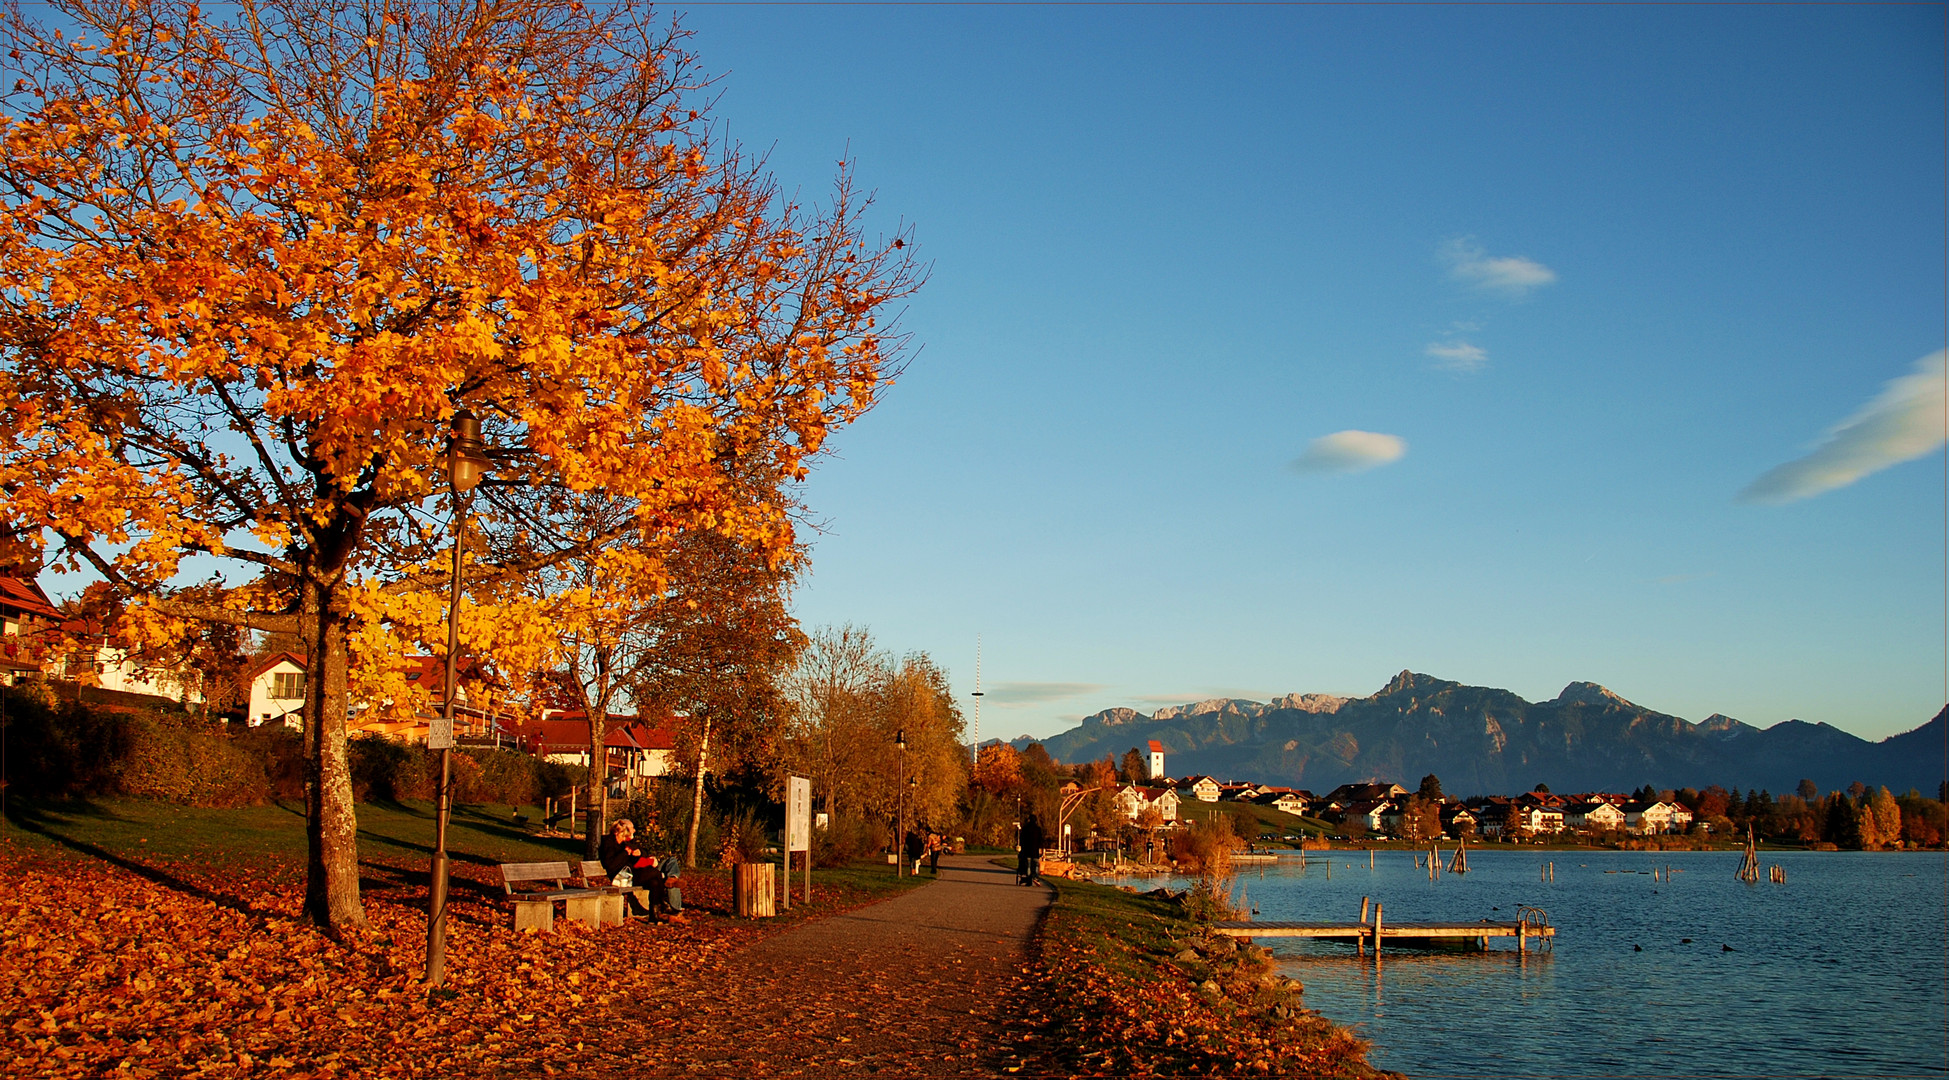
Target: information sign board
<point x="798" y="813"/>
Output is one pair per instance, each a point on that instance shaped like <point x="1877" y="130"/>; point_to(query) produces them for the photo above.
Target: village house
<point x="1349" y="794"/>
<point x="1202" y="788"/>
<point x="277" y="690"/>
<point x="1132" y="799"/>
<point x="634" y="750"/>
<point x="1540" y="820"/>
<point x="1593" y="817"/>
<point x="1368" y="815"/>
<point x="1286" y="802"/>
<point x="93" y="660"/>
<point x="1657" y="817"/>
<point x="1457" y="820"/>
<point x="28" y="618"/>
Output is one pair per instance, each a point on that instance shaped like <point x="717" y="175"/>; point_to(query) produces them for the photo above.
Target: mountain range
<point x="1480" y="740"/>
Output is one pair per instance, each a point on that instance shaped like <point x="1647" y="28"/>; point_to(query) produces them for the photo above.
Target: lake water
<point x="1842" y="971"/>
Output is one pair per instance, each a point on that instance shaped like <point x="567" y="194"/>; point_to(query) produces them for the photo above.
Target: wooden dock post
<point x="1377" y="932"/>
<point x="1370" y="858"/>
<point x="1521" y="946"/>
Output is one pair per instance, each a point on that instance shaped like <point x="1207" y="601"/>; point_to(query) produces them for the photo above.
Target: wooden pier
<point x="1531" y="925"/>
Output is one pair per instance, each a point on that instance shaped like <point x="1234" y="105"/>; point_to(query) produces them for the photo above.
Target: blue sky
<point x="1274" y="349"/>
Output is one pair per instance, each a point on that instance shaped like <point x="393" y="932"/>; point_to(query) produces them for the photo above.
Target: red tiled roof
<point x="272" y="661"/>
<point x="569" y="732"/>
<point x="26" y="595"/>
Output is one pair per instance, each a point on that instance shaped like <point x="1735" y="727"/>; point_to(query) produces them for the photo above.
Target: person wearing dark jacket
<point x="1030" y="859"/>
<point x="620" y="852"/>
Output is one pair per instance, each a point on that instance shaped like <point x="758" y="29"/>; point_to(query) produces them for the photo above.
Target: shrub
<point x="845" y="838"/>
<point x="59" y="747"/>
<point x="1206" y="849"/>
<point x="175" y="762"/>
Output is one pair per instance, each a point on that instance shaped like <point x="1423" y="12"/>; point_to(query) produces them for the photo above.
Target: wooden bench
<point x="535" y="909"/>
<point x="612" y="895"/>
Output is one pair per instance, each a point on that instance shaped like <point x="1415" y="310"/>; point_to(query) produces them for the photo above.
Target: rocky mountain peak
<point x="1312" y="703"/>
<point x="1413" y="682"/>
<point x="1589" y="693"/>
<point x="1209" y="705"/>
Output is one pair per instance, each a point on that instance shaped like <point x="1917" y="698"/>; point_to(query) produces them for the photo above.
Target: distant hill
<point x="1480" y="740"/>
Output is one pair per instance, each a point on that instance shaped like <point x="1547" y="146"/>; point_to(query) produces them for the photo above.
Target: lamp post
<point x="467" y="462"/>
<point x="900" y="816"/>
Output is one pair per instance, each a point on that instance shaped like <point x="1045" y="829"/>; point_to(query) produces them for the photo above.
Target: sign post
<point x="798" y="832"/>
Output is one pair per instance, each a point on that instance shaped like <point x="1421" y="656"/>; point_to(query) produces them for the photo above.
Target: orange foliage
<point x="251" y="269"/>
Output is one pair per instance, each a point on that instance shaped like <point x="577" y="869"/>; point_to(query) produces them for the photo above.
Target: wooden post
<point x="1360" y="940"/>
<point x="1364" y="901"/>
<point x="1377" y="933"/>
<point x="1520" y="928"/>
<point x="1370" y="858"/>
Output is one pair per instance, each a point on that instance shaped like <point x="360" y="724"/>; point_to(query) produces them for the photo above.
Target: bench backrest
<point x="591" y="870"/>
<point x="556" y="872"/>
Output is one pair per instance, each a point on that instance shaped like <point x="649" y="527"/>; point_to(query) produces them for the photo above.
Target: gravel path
<point x="918" y="985"/>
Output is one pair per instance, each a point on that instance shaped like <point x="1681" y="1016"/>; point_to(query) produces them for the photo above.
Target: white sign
<point x="798" y="813"/>
<point x="439" y="734"/>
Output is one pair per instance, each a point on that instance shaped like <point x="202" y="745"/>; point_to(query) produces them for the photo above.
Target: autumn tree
<point x="718" y="642"/>
<point x="998" y="771"/>
<point x="831" y="733"/>
<point x="849" y="705"/>
<point x="251" y="266"/>
<point x="1420" y="818"/>
<point x="1132" y="769"/>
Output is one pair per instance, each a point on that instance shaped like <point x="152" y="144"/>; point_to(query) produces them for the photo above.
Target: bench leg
<point x="585" y="909"/>
<point x="534" y="915"/>
<point x="612" y="909"/>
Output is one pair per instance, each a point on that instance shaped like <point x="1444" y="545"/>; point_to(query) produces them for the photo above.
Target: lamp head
<point x="467" y="459"/>
<point x="900" y="738"/>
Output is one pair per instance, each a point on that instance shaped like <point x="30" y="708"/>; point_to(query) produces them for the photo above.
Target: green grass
<point x="1264" y="818"/>
<point x="135" y="827"/>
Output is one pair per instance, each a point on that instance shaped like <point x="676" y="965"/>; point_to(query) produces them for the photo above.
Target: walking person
<point x="1029" y="859"/>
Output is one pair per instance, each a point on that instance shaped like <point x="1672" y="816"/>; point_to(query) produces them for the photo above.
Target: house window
<point x="288" y="686"/>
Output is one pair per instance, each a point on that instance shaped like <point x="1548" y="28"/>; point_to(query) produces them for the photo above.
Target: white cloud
<point x="1349" y="451"/>
<point x="1902" y="423"/>
<point x="1458" y="356"/>
<point x="1511" y="275"/>
<point x="1015" y="695"/>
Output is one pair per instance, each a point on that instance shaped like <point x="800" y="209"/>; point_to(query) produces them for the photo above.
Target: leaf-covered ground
<point x="161" y="968"/>
<point x="127" y="962"/>
<point x="1124" y="985"/>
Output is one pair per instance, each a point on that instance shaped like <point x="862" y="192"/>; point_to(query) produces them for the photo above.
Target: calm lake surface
<point x="1843" y="971"/>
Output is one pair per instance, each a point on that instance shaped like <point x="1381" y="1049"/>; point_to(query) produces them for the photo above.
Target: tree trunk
<point x="598" y="774"/>
<point x="697" y="795"/>
<point x="331" y="824"/>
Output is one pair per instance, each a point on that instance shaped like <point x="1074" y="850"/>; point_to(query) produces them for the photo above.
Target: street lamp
<point x="467" y="462"/>
<point x="900" y="816"/>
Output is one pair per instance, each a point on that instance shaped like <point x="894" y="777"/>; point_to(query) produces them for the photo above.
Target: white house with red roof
<point x="634" y="748"/>
<point x="28" y="619"/>
<point x="1133" y="798"/>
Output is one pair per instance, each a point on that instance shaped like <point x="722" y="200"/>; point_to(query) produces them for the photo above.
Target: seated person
<point x="624" y="860"/>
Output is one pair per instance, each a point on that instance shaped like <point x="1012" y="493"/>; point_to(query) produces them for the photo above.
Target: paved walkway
<point x="913" y="986"/>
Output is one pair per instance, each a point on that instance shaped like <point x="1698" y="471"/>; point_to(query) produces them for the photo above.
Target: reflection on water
<point x="1839" y="972"/>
